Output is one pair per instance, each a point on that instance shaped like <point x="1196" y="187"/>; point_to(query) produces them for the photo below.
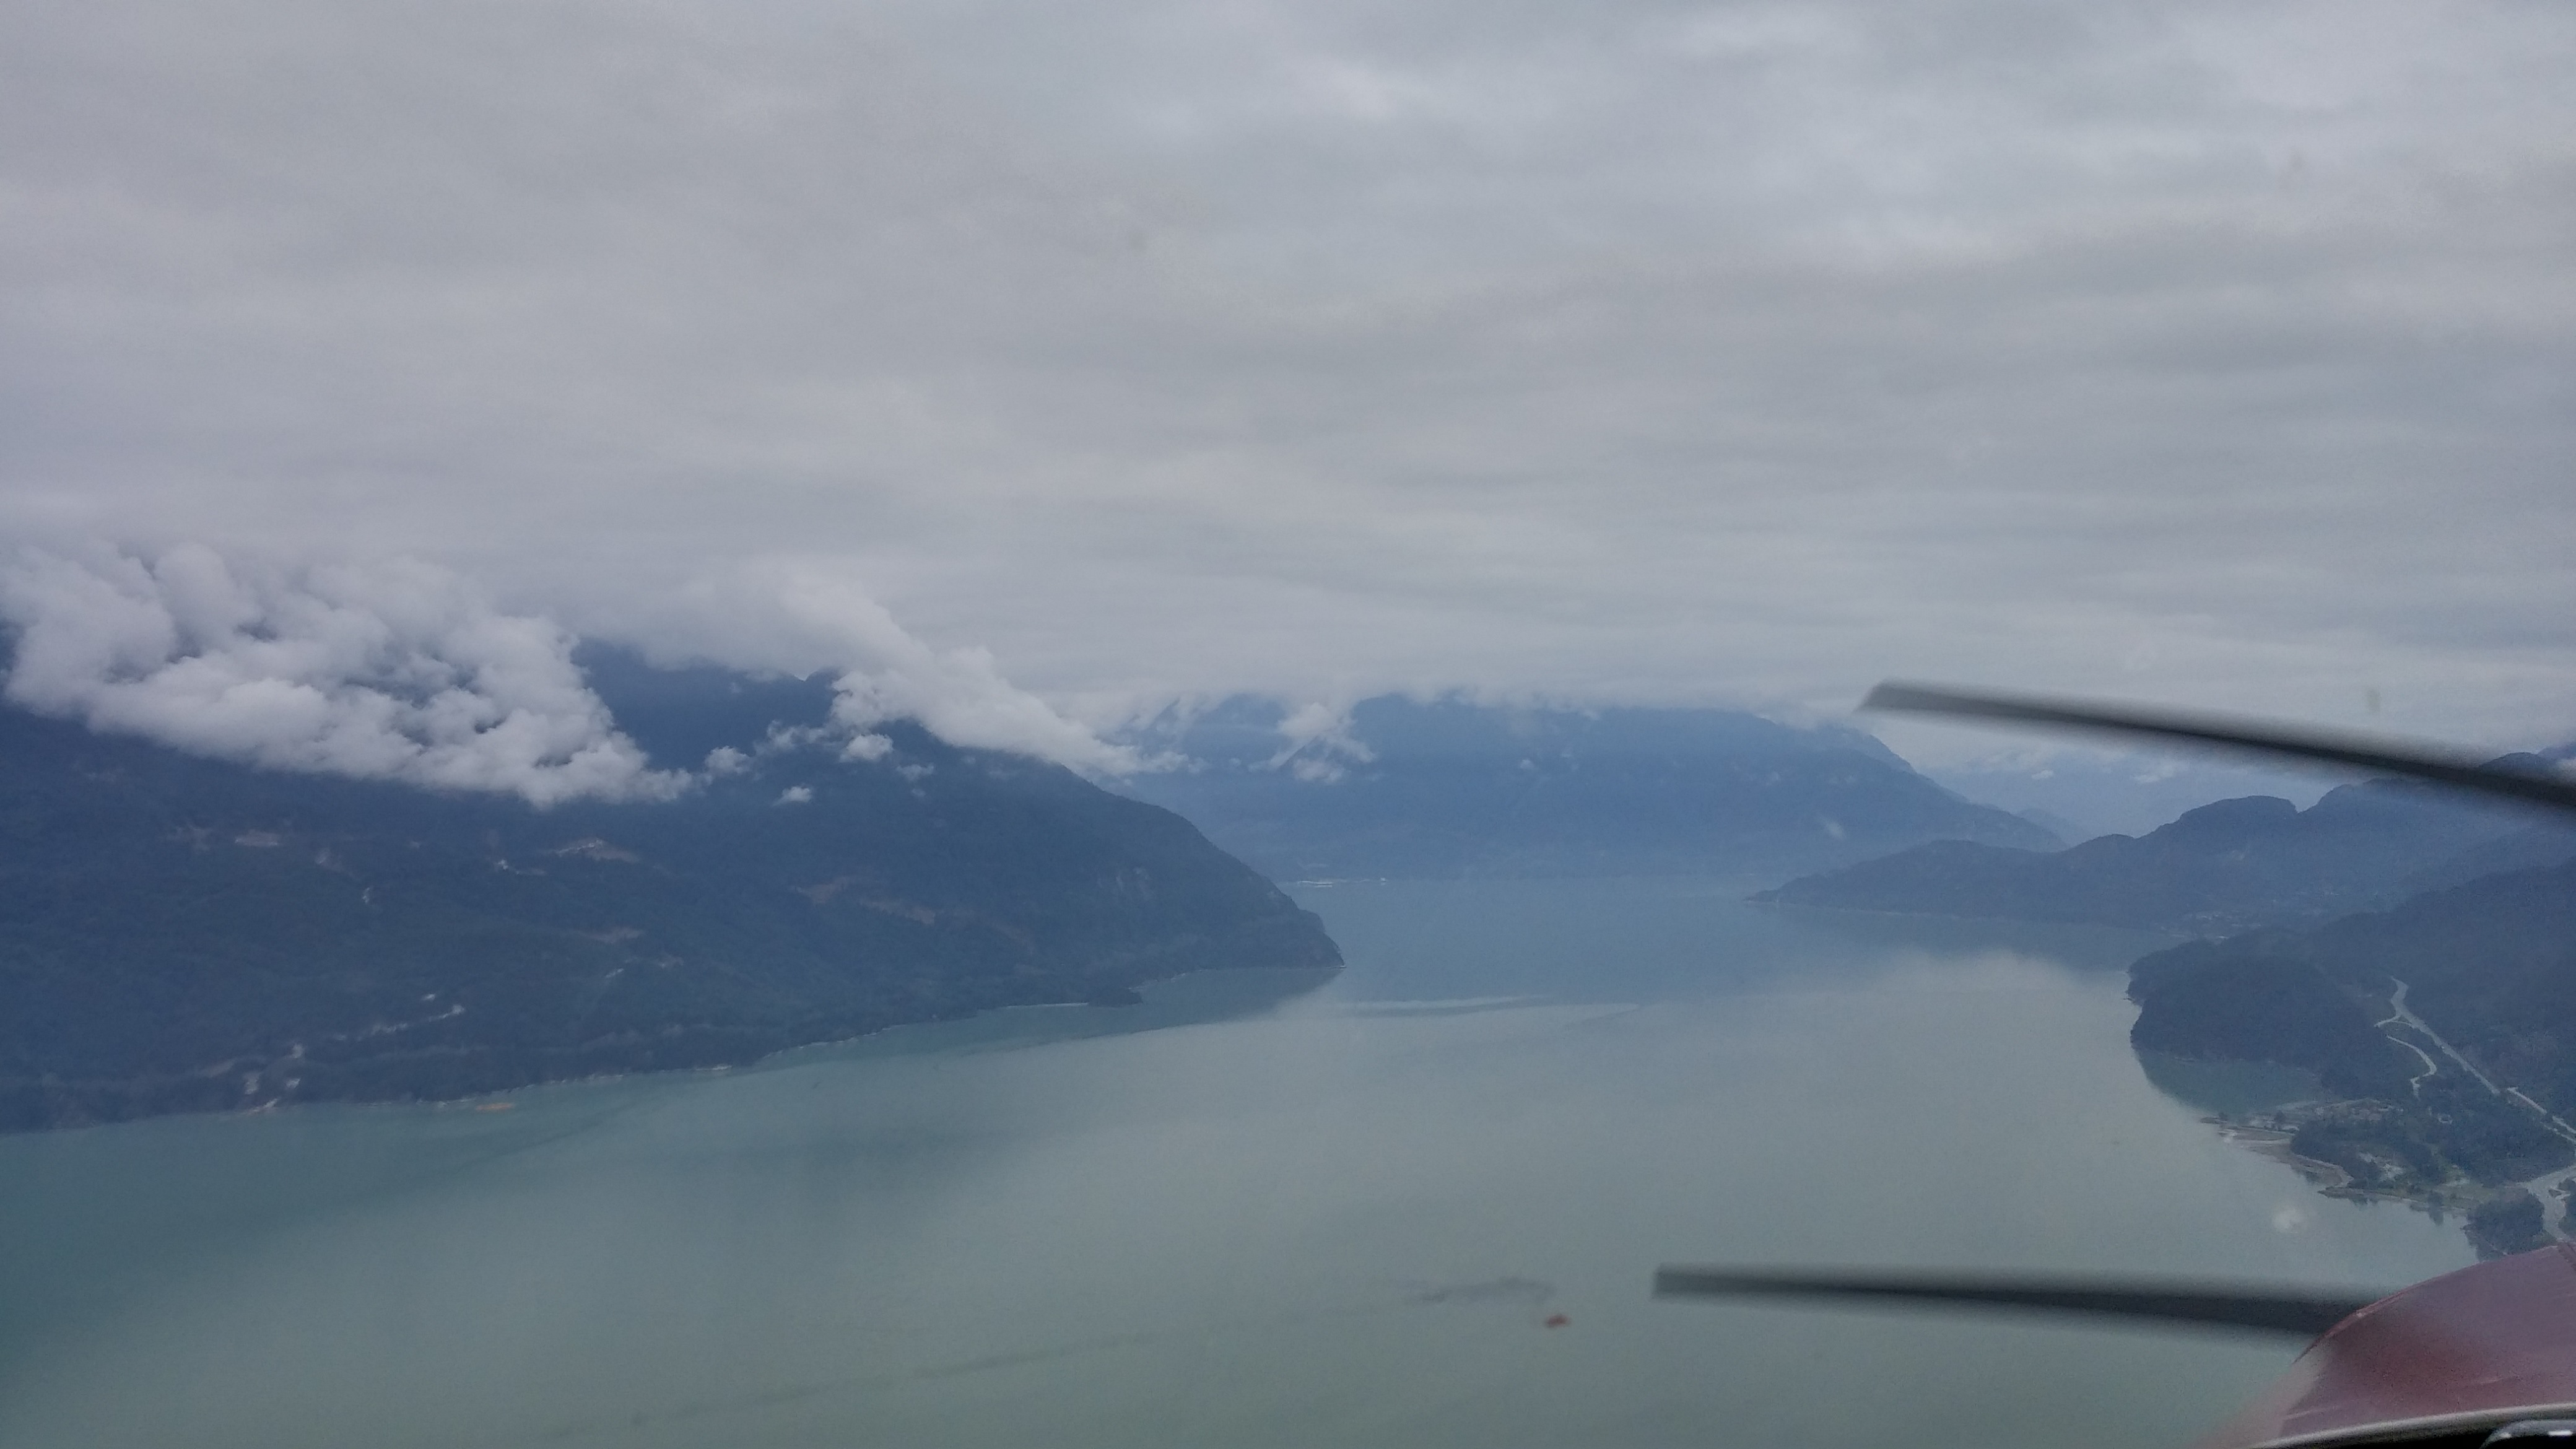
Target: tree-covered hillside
<point x="2491" y="965"/>
<point x="180" y="934"/>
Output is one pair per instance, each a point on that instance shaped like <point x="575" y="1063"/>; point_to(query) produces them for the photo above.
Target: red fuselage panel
<point x="2493" y="1342"/>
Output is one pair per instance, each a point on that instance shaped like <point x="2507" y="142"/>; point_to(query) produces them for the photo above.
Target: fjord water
<point x="1418" y="1204"/>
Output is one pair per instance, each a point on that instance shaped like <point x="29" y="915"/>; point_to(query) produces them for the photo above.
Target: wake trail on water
<point x="1529" y="1293"/>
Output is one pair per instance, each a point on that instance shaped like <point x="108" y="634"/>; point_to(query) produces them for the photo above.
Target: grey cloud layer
<point x="1642" y="352"/>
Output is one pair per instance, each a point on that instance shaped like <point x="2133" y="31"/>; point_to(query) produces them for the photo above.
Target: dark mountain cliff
<point x="180" y="934"/>
<point x="1448" y="788"/>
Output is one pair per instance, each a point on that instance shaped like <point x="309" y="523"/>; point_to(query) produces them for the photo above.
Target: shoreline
<point x="2461" y="1196"/>
<point x="501" y="1099"/>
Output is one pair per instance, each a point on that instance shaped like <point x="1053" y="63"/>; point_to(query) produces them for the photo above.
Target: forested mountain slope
<point x="182" y="934"/>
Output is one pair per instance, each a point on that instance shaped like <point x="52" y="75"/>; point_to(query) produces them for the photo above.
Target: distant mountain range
<point x="2224" y="867"/>
<point x="2105" y="791"/>
<point x="180" y="934"/>
<point x="1409" y="788"/>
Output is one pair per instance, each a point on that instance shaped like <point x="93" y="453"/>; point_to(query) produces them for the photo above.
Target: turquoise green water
<point x="1330" y="1217"/>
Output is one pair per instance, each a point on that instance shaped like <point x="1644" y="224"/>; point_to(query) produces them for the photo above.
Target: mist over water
<point x="1256" y="1210"/>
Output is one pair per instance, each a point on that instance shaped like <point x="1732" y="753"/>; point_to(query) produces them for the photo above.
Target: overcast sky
<point x="2219" y="354"/>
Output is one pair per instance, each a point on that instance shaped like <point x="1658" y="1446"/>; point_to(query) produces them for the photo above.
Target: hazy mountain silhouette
<point x="2222" y="867"/>
<point x="1448" y="788"/>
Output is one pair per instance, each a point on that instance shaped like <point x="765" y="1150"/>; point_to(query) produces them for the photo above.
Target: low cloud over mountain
<point x="400" y="670"/>
<point x="396" y="672"/>
<point x="787" y="617"/>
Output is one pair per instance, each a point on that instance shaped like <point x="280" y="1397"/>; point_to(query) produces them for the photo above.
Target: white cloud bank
<point x="798" y="617"/>
<point x="402" y="670"/>
<point x="396" y="672"/>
